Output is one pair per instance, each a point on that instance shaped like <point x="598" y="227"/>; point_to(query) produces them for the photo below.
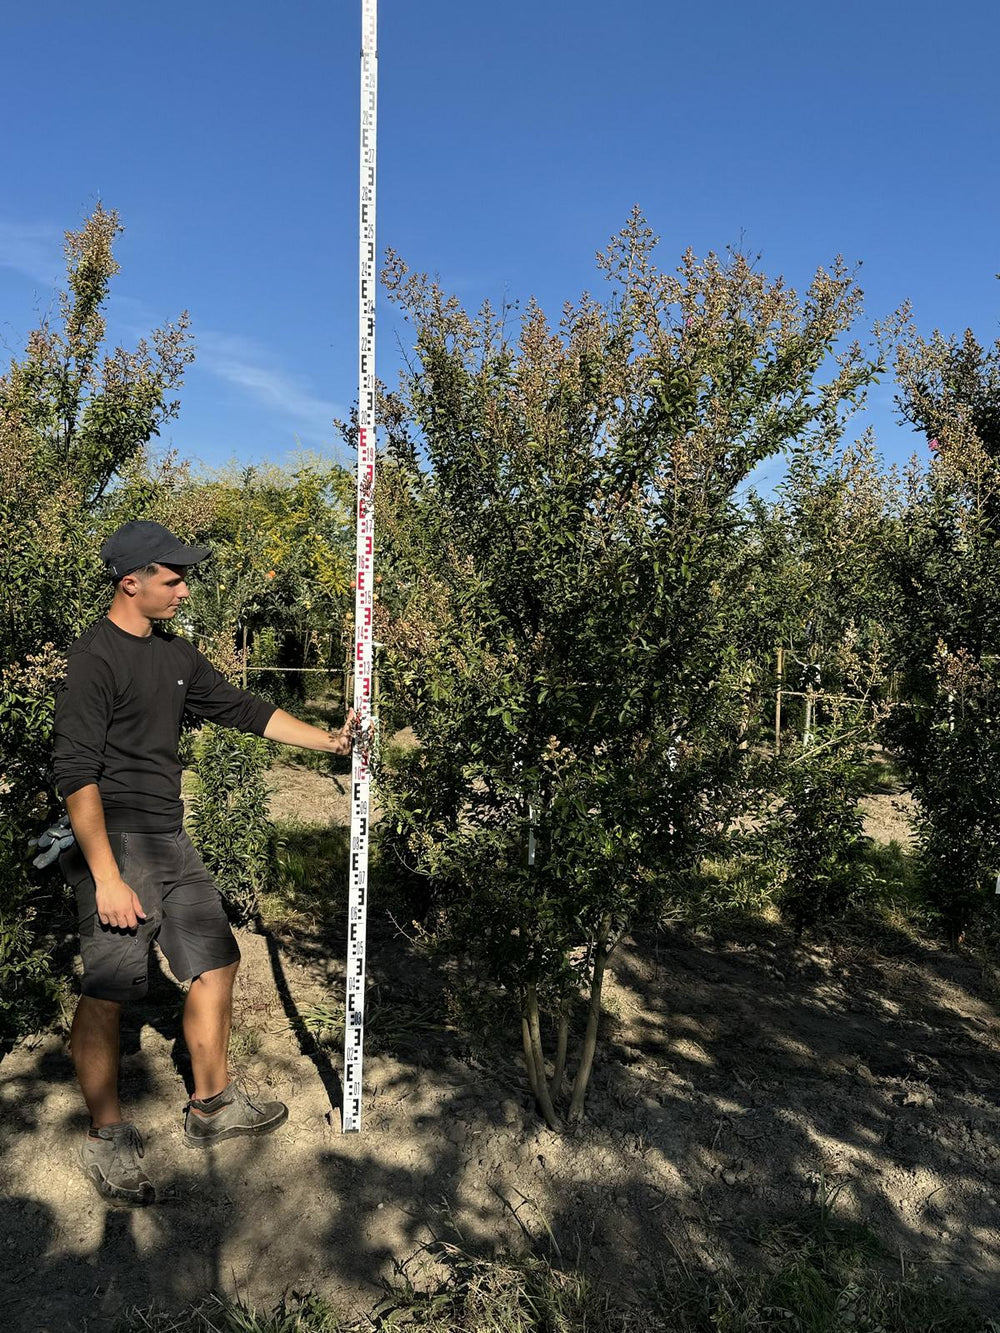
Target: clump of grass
<point x="734" y="890"/>
<point x="387" y="1027"/>
<point x="511" y="1296"/>
<point x="244" y="1044"/>
<point x="214" y="1314"/>
<point x="825" y="1277"/>
<point x="901" y="900"/>
<point x="727" y="890"/>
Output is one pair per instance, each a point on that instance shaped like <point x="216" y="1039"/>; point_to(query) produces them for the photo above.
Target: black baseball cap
<point x="142" y="543"/>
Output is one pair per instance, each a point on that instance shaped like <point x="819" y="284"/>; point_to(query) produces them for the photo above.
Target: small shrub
<point x="949" y="741"/>
<point x="229" y="821"/>
<point x="814" y="844"/>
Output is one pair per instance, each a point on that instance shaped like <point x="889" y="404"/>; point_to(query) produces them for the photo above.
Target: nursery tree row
<point x="585" y="583"/>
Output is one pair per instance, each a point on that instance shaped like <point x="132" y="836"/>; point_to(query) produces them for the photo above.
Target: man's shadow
<point x="308" y="1045"/>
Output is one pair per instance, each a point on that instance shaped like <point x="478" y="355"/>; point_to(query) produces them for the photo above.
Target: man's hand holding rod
<point x="288" y="730"/>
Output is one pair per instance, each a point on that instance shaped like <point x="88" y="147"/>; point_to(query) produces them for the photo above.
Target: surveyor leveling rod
<point x="354" y="1016"/>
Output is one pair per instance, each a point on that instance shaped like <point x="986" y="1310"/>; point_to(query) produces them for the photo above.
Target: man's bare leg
<point x="94" y="1044"/>
<point x="212" y="1118"/>
<point x="111" y="1151"/>
<point x="208" y="1017"/>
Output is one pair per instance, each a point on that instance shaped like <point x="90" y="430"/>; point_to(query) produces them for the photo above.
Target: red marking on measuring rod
<point x="357" y="915"/>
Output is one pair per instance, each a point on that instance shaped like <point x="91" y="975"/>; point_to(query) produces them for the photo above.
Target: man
<point x="136" y="875"/>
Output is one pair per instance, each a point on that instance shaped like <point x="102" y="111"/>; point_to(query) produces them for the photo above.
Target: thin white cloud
<point x="33" y="249"/>
<point x="251" y="367"/>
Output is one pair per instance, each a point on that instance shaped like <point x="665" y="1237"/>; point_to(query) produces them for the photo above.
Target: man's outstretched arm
<point x="288" y="730"/>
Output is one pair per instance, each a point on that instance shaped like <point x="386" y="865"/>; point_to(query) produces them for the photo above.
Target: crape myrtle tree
<point x="73" y="416"/>
<point x="559" y="536"/>
<point x="946" y="585"/>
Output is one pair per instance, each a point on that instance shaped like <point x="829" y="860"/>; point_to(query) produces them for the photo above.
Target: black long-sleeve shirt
<point x="118" y="720"/>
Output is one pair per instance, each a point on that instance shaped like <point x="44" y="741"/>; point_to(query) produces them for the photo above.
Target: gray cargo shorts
<point x="184" y="914"/>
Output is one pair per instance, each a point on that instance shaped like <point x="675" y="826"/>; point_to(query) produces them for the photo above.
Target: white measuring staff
<point x="354" y="1014"/>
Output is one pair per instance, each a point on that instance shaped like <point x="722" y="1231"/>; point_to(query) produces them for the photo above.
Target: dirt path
<point x="739" y="1079"/>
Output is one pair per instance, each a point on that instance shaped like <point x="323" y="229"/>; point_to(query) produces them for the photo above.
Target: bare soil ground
<point x="739" y="1080"/>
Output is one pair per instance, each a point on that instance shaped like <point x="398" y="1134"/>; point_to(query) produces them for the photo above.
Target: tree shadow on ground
<point x="309" y="1047"/>
<point x="742" y="1081"/>
<point x="782" y="1072"/>
<point x="744" y="1078"/>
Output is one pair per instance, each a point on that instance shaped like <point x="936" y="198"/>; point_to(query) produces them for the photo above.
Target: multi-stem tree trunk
<point x="601" y="954"/>
<point x="541" y="1089"/>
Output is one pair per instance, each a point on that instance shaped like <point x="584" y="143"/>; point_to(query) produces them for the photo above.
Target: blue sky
<point x="513" y="140"/>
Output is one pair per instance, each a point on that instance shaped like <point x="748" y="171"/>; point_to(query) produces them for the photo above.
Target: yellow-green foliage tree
<point x="282" y="553"/>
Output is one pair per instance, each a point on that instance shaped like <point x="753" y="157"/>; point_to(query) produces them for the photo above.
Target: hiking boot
<point x="227" y="1115"/>
<point x="110" y="1157"/>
